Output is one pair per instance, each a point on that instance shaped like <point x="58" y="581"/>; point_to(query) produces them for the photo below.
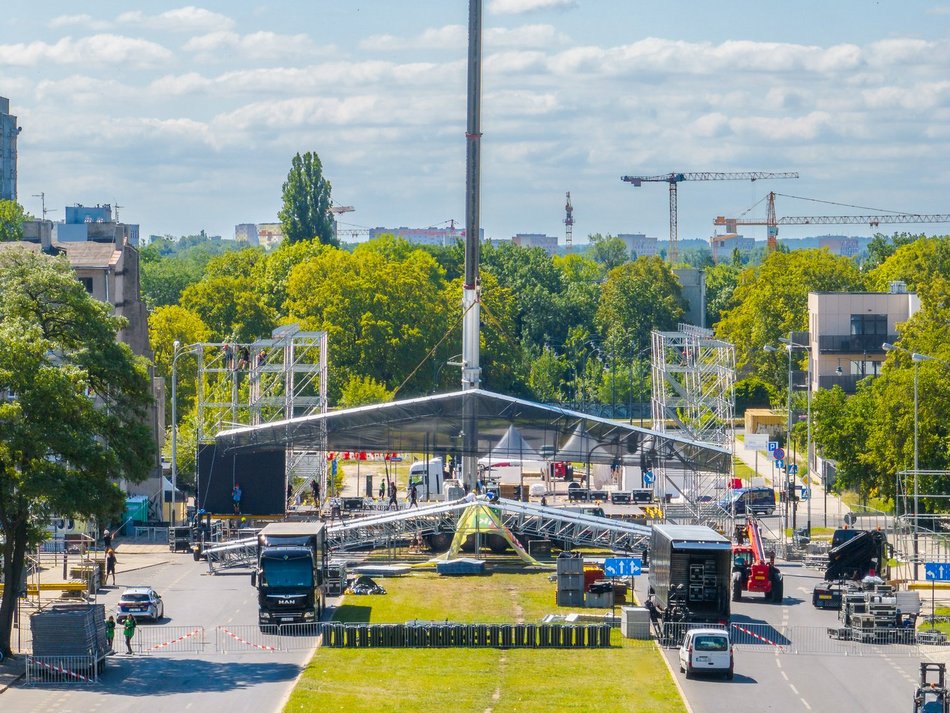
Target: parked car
<point x="140" y="603"/>
<point x="706" y="651"/>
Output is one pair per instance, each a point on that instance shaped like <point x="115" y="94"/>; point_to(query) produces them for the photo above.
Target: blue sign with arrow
<point x="648" y="477"/>
<point x="937" y="571"/>
<point x="626" y="566"/>
<point x="780" y="464"/>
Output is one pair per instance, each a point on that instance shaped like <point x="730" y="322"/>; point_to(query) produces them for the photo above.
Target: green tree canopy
<point x="75" y="418"/>
<point x="305" y="214"/>
<point x="12" y="217"/>
<point x="608" y="251"/>
<point x="772" y="300"/>
<point x="916" y="262"/>
<point x="231" y="307"/>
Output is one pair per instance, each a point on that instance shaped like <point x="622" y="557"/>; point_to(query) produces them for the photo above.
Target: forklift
<point x="931" y="694"/>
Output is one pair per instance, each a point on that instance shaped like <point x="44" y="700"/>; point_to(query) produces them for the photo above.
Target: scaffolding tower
<point x="255" y="383"/>
<point x="693" y="391"/>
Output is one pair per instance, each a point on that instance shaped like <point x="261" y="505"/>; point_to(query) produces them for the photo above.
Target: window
<point x="87" y="283"/>
<point x="875" y="324"/>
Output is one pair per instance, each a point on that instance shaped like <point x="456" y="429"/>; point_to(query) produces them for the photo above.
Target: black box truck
<point x="291" y="572"/>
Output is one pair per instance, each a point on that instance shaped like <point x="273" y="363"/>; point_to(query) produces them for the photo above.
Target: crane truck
<point x="291" y="572"/>
<point x="752" y="569"/>
<point x="854" y="555"/>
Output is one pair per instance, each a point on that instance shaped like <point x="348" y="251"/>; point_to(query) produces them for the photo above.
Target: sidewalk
<point x="11" y="670"/>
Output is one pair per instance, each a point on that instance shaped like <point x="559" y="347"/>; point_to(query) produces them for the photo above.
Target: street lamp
<point x="791" y="345"/>
<point x="177" y="351"/>
<point x="916" y="358"/>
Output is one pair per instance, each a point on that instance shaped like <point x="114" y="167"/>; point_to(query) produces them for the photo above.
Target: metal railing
<point x="169" y="639"/>
<point x="62" y="670"/>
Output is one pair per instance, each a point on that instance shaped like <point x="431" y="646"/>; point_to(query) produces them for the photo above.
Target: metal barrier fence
<point x="245" y="638"/>
<point x="759" y="637"/>
<point x="62" y="670"/>
<point x="168" y="639"/>
<point x="447" y="635"/>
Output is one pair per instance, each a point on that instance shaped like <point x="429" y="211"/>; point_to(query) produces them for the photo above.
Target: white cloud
<point x="519" y="7"/>
<point x="95" y="50"/>
<point x="79" y="20"/>
<point x="256" y="45"/>
<point x="447" y="37"/>
<point x="184" y="19"/>
<point x="525" y="36"/>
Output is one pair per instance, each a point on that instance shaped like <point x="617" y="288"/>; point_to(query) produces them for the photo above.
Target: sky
<point x="188" y="116"/>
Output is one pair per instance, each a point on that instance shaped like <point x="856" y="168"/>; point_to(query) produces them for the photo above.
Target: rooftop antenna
<point x="42" y="196"/>
<point x="117" y="206"/>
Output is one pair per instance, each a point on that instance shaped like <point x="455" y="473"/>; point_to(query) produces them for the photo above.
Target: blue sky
<point x="188" y="115"/>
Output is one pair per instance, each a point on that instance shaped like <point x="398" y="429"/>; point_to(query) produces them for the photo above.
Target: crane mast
<point x="673" y="179"/>
<point x="569" y="223"/>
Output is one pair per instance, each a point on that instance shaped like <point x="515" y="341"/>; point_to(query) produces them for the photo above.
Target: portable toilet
<point x="136" y="512"/>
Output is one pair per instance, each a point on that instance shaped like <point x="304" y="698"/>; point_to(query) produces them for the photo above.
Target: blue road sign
<point x="793" y="469"/>
<point x="333" y="467"/>
<point x="648" y="477"/>
<point x="779" y="463"/>
<point x="937" y="571"/>
<point x="806" y="493"/>
<point x="773" y="445"/>
<point x="778" y="454"/>
<point x="622" y="566"/>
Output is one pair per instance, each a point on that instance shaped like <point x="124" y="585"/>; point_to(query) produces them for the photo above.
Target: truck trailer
<point x="690" y="574"/>
<point x="291" y="572"/>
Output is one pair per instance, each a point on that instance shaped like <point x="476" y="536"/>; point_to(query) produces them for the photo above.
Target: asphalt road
<point x="255" y="682"/>
<point x="769" y="681"/>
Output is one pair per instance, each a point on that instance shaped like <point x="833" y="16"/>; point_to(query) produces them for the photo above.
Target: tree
<point x="608" y="251"/>
<point x="362" y="391"/>
<point x="721" y="281"/>
<point x="916" y="262"/>
<point x="635" y="299"/>
<point x="231" y="308"/>
<point x="305" y="214"/>
<point x="771" y="300"/>
<point x="12" y="217"/>
<point x="882" y="247"/>
<point x="74" y="418"/>
<point x="166" y="325"/>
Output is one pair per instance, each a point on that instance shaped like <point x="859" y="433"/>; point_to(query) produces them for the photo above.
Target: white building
<point x="246" y="233"/>
<point x="536" y="240"/>
<point x="639" y="245"/>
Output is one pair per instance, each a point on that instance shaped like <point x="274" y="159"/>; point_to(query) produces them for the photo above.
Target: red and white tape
<point x="57" y="669"/>
<point x="174" y="641"/>
<point x="244" y="641"/>
<point x="753" y="634"/>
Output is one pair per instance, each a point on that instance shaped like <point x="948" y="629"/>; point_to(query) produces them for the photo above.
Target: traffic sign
<point x="805" y="494"/>
<point x="793" y="469"/>
<point x="779" y="464"/>
<point x="648" y="477"/>
<point x="773" y="445"/>
<point x="757" y="441"/>
<point x="937" y="571"/>
<point x="622" y="566"/>
<point x="778" y="454"/>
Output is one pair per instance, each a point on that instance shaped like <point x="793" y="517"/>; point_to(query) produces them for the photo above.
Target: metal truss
<point x="693" y="392"/>
<point x="228" y="555"/>
<point x="261" y="382"/>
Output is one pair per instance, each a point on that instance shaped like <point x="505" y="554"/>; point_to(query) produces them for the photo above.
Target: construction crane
<point x="675" y="178"/>
<point x="874" y="221"/>
<point x="569" y="223"/>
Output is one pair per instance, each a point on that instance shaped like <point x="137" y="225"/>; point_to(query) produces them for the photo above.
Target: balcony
<point x="854" y="343"/>
<point x="848" y="382"/>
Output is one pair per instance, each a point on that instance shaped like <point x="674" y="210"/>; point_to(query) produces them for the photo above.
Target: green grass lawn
<point x="478" y="680"/>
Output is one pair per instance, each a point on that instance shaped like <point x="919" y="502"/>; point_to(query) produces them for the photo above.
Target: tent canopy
<point x="436" y="424"/>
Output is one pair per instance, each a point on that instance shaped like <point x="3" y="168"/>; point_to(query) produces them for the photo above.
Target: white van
<point x="706" y="651"/>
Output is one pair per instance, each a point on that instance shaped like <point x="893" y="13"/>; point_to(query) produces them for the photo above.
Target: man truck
<point x="690" y="574"/>
<point x="291" y="572"/>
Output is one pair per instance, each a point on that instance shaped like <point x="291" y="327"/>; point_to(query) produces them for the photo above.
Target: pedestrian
<point x="544" y="501"/>
<point x="129" y="631"/>
<point x="110" y="631"/>
<point x="106" y="540"/>
<point x="315" y="490"/>
<point x="382" y="490"/>
<point x="236" y="498"/>
<point x="393" y="505"/>
<point x="110" y="564"/>
<point x="413" y="494"/>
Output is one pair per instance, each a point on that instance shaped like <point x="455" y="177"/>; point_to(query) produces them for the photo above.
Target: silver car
<point x="140" y="603"/>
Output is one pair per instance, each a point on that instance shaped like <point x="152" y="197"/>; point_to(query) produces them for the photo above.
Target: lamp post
<point x="177" y="351"/>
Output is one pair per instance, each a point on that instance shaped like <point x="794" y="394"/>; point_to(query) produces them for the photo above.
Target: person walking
<point x="382" y="490"/>
<point x="110" y="564"/>
<point x="315" y="491"/>
<point x="236" y="498"/>
<point x="128" y="630"/>
<point x="413" y="495"/>
<point x="110" y="632"/>
<point x="393" y="505"/>
<point x="106" y="540"/>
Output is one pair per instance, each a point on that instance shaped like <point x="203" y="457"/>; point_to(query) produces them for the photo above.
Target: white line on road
<point x="778" y="662"/>
<point x="794" y="690"/>
<point x="805" y="703"/>
<point x="784" y="675"/>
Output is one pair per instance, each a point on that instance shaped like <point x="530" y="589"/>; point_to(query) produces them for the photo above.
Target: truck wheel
<point x="778" y="590"/>
<point x="736" y="590"/>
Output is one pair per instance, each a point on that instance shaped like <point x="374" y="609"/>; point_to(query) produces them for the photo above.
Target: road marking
<point x="778" y="662"/>
<point x="794" y="690"/>
<point x="784" y="675"/>
<point x="805" y="703"/>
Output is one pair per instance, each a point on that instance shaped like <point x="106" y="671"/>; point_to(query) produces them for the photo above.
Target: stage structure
<point x="257" y="383"/>
<point x="694" y="396"/>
